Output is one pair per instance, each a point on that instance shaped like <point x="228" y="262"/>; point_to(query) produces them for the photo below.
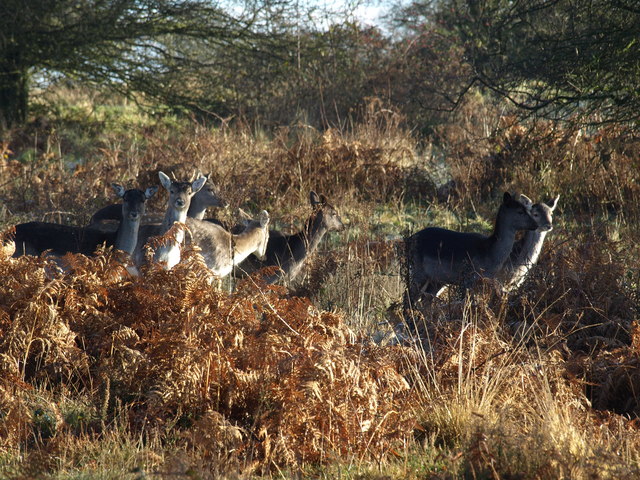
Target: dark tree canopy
<point x="271" y="60"/>
<point x="555" y="57"/>
<point x="130" y="45"/>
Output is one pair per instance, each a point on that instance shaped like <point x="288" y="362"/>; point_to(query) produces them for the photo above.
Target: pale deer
<point x="289" y="252"/>
<point x="223" y="250"/>
<point x="34" y="238"/>
<point x="525" y="252"/>
<point x="207" y="196"/>
<point x="180" y="194"/>
<point x="437" y="257"/>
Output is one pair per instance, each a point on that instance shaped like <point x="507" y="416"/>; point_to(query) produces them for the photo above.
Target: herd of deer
<point x="221" y="249"/>
<point x="436" y="257"/>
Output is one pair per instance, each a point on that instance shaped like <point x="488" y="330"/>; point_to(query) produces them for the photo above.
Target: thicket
<point x="282" y="64"/>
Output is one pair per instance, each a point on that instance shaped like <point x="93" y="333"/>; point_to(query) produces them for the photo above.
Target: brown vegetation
<point x="543" y="384"/>
<point x="270" y="378"/>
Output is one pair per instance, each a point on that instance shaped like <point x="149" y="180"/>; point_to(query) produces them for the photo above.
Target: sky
<point x="368" y="12"/>
<point x="371" y="14"/>
<point x="327" y="12"/>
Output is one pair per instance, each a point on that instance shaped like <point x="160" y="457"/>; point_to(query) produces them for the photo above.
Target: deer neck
<point x="245" y="243"/>
<point x="172" y="216"/>
<point x="530" y="247"/>
<point x="170" y="253"/>
<point x="196" y="211"/>
<point x="127" y="236"/>
<point x="500" y="244"/>
<point x="313" y="232"/>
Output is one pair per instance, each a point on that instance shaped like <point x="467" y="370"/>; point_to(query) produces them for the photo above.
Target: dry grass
<point x="518" y="402"/>
<point x="161" y="374"/>
<point x="595" y="171"/>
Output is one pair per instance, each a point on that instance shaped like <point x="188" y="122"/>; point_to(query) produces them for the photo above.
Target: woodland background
<point x="422" y="120"/>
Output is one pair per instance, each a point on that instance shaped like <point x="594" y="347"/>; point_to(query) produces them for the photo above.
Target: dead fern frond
<point x="175" y="234"/>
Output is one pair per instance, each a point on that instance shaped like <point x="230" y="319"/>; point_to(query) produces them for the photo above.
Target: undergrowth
<point x="111" y="376"/>
<point x="269" y="378"/>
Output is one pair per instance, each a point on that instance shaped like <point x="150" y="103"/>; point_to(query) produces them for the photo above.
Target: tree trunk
<point x="14" y="94"/>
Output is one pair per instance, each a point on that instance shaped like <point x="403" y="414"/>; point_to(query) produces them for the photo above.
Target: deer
<point x="222" y="250"/>
<point x="34" y="238"/>
<point x="289" y="252"/>
<point x="207" y="196"/>
<point x="437" y="256"/>
<point x="525" y="252"/>
<point x="180" y="195"/>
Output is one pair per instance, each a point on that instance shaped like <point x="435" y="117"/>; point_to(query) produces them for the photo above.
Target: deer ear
<point x="524" y="200"/>
<point x="506" y="197"/>
<point x="243" y="216"/>
<point x="314" y="198"/>
<point x="554" y="204"/>
<point x="119" y="189"/>
<point x="198" y="184"/>
<point x="264" y="218"/>
<point x="150" y="192"/>
<point x="164" y="180"/>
